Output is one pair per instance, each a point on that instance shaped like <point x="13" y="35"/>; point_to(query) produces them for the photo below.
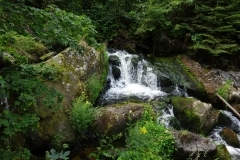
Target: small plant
<point x="54" y="155"/>
<point x="106" y="148"/>
<point x="94" y="86"/>
<point x="82" y="115"/>
<point x="148" y="140"/>
<point x="224" y="90"/>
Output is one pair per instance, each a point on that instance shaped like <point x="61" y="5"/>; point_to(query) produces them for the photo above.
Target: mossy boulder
<point x="230" y="137"/>
<point x="74" y="71"/>
<point x="172" y="70"/>
<point x="191" y="145"/>
<point x="194" y="115"/>
<point x="113" y="119"/>
<point x="222" y="153"/>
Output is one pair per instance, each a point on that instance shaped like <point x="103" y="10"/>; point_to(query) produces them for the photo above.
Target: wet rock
<point x="113" y="119"/>
<point x="114" y="60"/>
<point x="191" y="145"/>
<point x="172" y="71"/>
<point x="195" y="115"/>
<point x="116" y="72"/>
<point x="230" y="137"/>
<point x="222" y="153"/>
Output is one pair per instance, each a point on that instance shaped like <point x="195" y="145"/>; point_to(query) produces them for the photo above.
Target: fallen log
<point x="229" y="106"/>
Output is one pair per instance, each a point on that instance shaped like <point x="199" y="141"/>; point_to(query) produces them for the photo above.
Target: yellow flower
<point x="143" y="130"/>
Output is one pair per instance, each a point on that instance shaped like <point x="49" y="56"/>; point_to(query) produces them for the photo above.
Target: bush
<point x="148" y="140"/>
<point x="82" y="115"/>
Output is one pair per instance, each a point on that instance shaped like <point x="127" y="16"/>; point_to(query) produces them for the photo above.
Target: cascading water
<point x="234" y="124"/>
<point x="138" y="80"/>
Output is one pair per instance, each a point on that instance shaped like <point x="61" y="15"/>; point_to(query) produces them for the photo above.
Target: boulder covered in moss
<point x="230" y="137"/>
<point x="74" y="71"/>
<point x="113" y="119"/>
<point x="222" y="153"/>
<point x="191" y="145"/>
<point x="194" y="115"/>
<point x="171" y="70"/>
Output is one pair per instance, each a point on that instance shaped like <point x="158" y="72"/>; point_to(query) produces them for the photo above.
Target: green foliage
<point x="145" y="140"/>
<point x="224" y="90"/>
<point x="29" y="88"/>
<point x="82" y="115"/>
<point x="54" y="155"/>
<point x="20" y="154"/>
<point x="214" y="29"/>
<point x="111" y="17"/>
<point x="50" y="26"/>
<point x="24" y="153"/>
<point x="158" y="17"/>
<point x="94" y="85"/>
<point x="107" y="148"/>
<point x="148" y="140"/>
<point x="13" y="123"/>
<point x="8" y="155"/>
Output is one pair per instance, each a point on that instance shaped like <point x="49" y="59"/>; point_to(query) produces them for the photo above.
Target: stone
<point x="113" y="119"/>
<point x="116" y="72"/>
<point x="114" y="60"/>
<point x="194" y="115"/>
<point x="222" y="153"/>
<point x="230" y="137"/>
<point x="74" y="68"/>
<point x="191" y="145"/>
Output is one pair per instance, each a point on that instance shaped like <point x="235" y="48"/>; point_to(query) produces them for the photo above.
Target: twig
<point x="238" y="115"/>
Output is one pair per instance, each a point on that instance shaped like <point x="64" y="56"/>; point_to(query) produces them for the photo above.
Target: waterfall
<point x="137" y="79"/>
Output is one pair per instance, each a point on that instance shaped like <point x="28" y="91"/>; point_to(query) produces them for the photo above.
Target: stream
<point x="132" y="77"/>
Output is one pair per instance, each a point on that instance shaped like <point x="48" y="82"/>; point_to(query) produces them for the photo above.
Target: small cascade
<point x="166" y="116"/>
<point x="137" y="79"/>
<point x="235" y="126"/>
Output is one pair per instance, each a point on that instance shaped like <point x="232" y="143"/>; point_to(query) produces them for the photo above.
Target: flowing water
<point x="138" y="80"/>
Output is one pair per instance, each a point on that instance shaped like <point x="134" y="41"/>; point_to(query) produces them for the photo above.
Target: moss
<point x="185" y="113"/>
<point x="185" y="136"/>
<point x="222" y="153"/>
<point x="186" y="71"/>
<point x="230" y="137"/>
<point x="178" y="72"/>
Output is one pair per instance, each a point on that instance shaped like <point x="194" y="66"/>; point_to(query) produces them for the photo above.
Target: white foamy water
<point x="137" y="78"/>
<point x="215" y="135"/>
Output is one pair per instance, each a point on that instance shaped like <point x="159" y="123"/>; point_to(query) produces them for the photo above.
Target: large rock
<point x="212" y="79"/>
<point x="190" y="145"/>
<point x="74" y="68"/>
<point x="113" y="119"/>
<point x="172" y="71"/>
<point x="230" y="137"/>
<point x="195" y="115"/>
<point x="222" y="153"/>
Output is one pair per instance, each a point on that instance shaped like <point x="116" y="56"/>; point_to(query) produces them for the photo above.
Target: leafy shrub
<point x="94" y="86"/>
<point x="82" y="115"/>
<point x="224" y="90"/>
<point x="148" y="140"/>
<point x="54" y="155"/>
